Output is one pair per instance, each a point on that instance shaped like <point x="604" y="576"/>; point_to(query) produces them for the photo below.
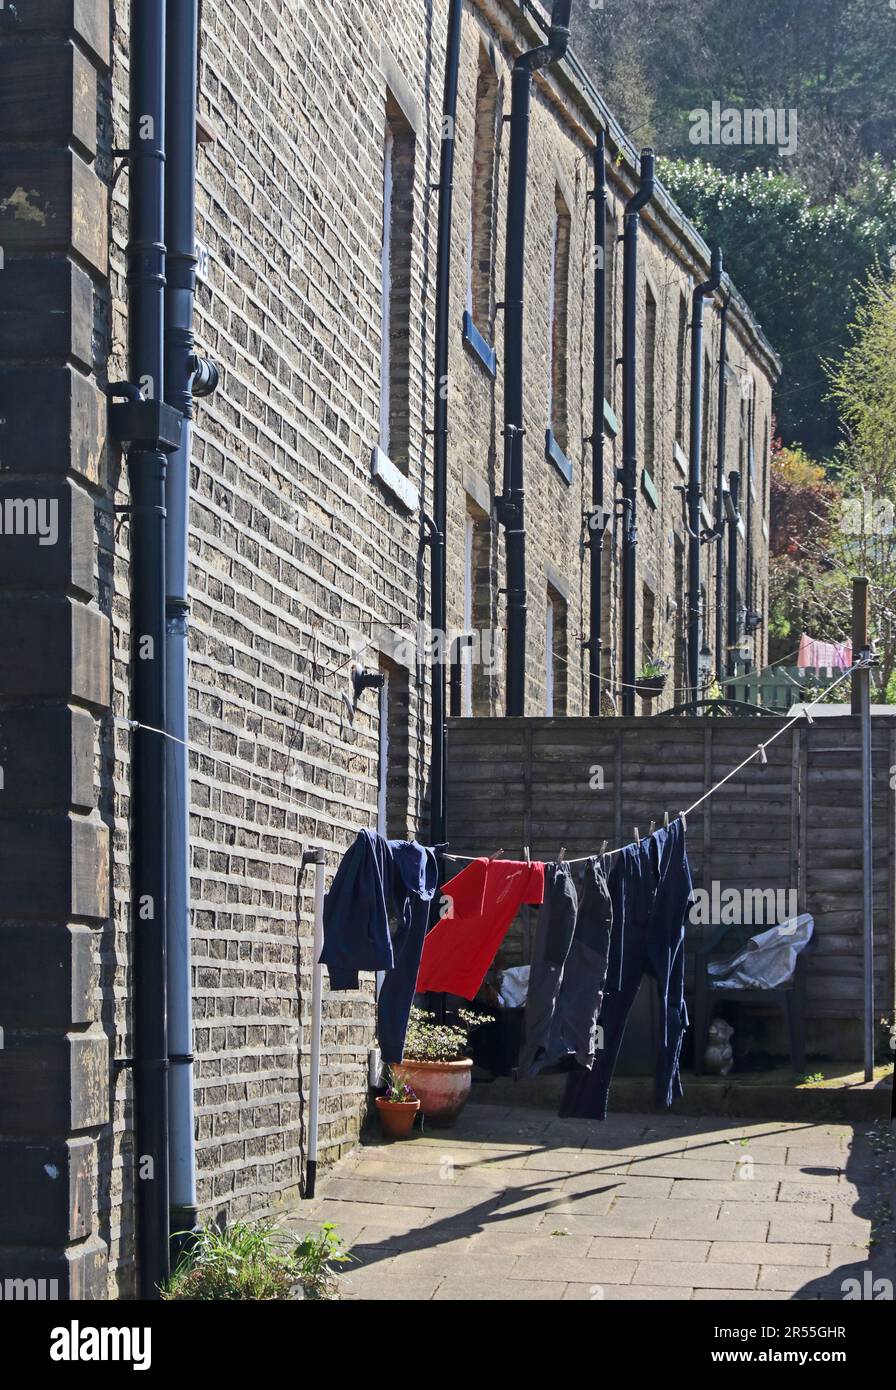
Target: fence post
<point x="861" y="704"/>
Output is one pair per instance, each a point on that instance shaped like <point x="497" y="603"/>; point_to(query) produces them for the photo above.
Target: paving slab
<point x="531" y="1244"/>
<point x="755" y="1252"/>
<point x="637" y="1293"/>
<point x="699" y="1276"/>
<point x="578" y="1271"/>
<point x="470" y="1288"/>
<point x="643" y="1248"/>
<point x="673" y="1228"/>
<point x="614" y="1223"/>
<point x="851" y="1231"/>
<point x="793" y="1278"/>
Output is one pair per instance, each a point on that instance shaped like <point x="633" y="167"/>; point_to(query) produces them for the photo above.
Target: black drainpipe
<point x="510" y="505"/>
<point x="149" y="436"/>
<point x="695" y="492"/>
<point x="721" y="440"/>
<point x="595" y="520"/>
<point x="733" y="537"/>
<point x="435" y="530"/>
<point x="628" y="473"/>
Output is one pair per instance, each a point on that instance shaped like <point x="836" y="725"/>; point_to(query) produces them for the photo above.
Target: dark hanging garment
<point x="569" y="966"/>
<point x="375" y="918"/>
<point x="650" y="887"/>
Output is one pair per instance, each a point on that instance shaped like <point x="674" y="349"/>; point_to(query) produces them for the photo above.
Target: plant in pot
<point x="397" y="1108"/>
<point x="651" y="679"/>
<point x="436" y="1064"/>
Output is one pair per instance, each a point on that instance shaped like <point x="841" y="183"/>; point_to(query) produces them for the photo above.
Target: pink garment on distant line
<point x="816" y="656"/>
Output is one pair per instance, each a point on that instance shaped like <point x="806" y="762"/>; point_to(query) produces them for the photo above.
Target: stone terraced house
<point x="318" y="141"/>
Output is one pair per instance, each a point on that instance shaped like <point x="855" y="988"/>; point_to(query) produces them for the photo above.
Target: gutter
<point x="435" y="529"/>
<point x="628" y="473"/>
<point x="145" y="449"/>
<point x="694" y="489"/>
<point x="596" y="518"/>
<point x="510" y="506"/>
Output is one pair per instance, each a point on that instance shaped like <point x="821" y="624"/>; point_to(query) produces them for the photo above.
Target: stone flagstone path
<point x="517" y="1204"/>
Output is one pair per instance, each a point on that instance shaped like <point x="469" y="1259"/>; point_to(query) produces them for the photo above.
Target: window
<point x="681" y="370"/>
<point x="398" y="223"/>
<point x="610" y="290"/>
<point x="478" y="661"/>
<point x="556" y="654"/>
<point x="650" y="382"/>
<point x="704" y="451"/>
<point x="481" y="296"/>
<point x="679" y="662"/>
<point x="558" y="306"/>
<point x="742" y="443"/>
<point x="466" y="651"/>
<point x="648" y="624"/>
<point x="393" y="789"/>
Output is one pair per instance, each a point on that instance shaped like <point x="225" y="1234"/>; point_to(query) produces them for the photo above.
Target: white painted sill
<point x="393" y="480"/>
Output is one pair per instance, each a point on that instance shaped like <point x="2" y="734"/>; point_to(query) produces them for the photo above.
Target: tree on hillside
<point x="831" y="60"/>
<point x="800" y="267"/>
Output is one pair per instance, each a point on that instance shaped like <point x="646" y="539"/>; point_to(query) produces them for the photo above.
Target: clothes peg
<point x="603" y="847"/>
<point x="561" y="854"/>
<point x="652" y="827"/>
<point x="762" y="757"/>
<point x="637" y="835"/>
<point x="684" y="820"/>
<point x="665" y="820"/>
<point x="526" y="852"/>
<point x="809" y="719"/>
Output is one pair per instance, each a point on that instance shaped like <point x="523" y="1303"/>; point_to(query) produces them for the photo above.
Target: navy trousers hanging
<point x="569" y="964"/>
<point x="650" y="887"/>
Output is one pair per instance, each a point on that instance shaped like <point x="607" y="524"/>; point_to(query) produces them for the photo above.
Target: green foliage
<point x="256" y="1261"/>
<point x="314" y="1257"/>
<point x="652" y="668"/>
<point x="398" y="1092"/>
<point x="801" y="232"/>
<point x="863" y="383"/>
<point x="799" y="264"/>
<point x="807" y="593"/>
<point x="431" y="1041"/>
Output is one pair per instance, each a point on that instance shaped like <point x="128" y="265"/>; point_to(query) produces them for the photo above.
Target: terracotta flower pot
<point x="443" y="1088"/>
<point x="397" y="1116"/>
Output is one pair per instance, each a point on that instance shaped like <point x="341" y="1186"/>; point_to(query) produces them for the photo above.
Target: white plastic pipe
<point x="316" y="857"/>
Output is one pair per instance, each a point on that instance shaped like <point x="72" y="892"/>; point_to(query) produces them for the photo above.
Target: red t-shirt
<point x="482" y="901"/>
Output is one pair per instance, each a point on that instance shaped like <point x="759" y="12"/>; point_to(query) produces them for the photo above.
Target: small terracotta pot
<point x="397" y="1116"/>
<point x="443" y="1088"/>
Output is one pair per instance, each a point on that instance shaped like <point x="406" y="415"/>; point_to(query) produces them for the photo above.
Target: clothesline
<point x="758" y="751"/>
